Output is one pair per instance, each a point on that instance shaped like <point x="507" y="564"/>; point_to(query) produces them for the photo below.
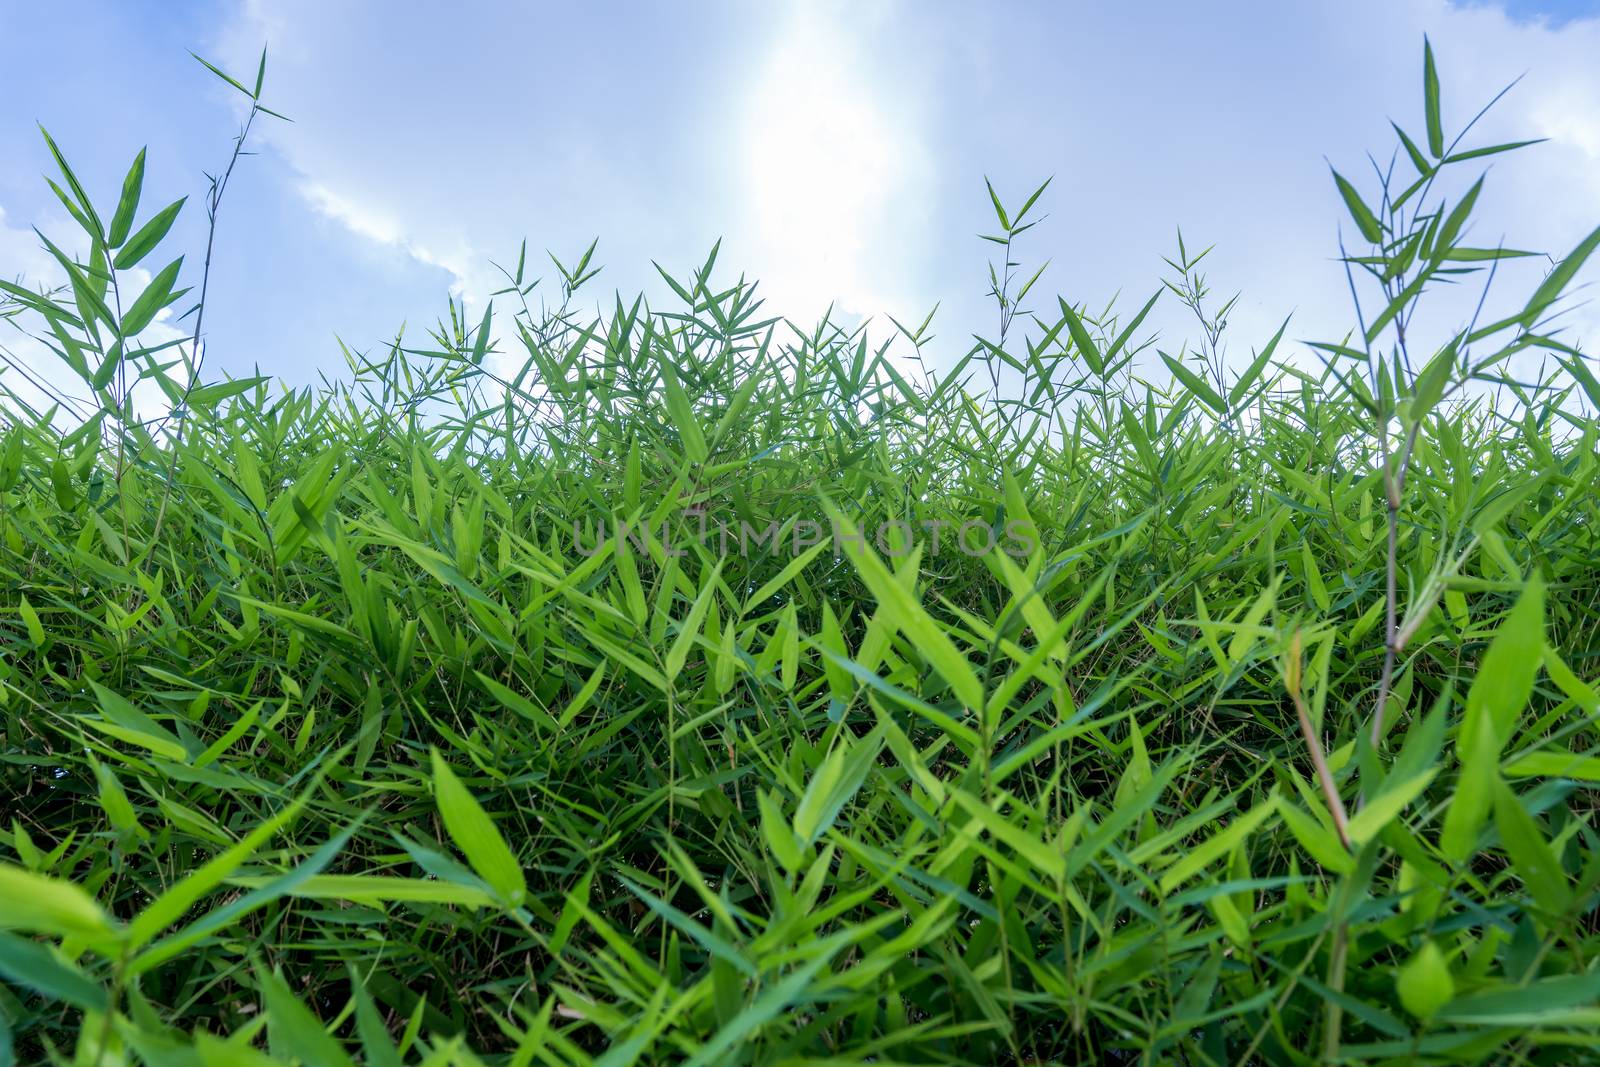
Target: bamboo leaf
<point x="143" y="242"/>
<point x="475" y="835"/>
<point x="1424" y="983"/>
<point x="1430" y="101"/>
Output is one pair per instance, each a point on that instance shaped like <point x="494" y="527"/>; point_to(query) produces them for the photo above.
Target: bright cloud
<point x="826" y="154"/>
<point x="374" y="225"/>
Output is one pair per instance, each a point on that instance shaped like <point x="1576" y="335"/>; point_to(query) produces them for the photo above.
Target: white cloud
<point x="375" y="225"/>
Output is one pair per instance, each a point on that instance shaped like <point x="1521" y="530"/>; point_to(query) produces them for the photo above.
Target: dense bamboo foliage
<point x="676" y="684"/>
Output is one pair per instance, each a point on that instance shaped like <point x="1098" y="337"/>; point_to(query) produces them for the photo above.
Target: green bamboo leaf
<point x="1386" y="806"/>
<point x="109" y="366"/>
<point x="994" y="198"/>
<point x="1531" y="856"/>
<point x="1133" y="324"/>
<point x="143" y="242"/>
<point x="219" y="73"/>
<point x="1556" y="282"/>
<point x="518" y="703"/>
<point x="717" y="946"/>
<point x="31" y="623"/>
<point x="261" y="74"/>
<point x="375" y="889"/>
<point x="1418" y="160"/>
<point x="1196" y="385"/>
<point x="781" y="580"/>
<point x="87" y="292"/>
<point x="1505" y="677"/>
<point x="682" y="414"/>
<point x="156" y="295"/>
<point x="132" y="185"/>
<point x="1430" y="101"/>
<point x="1527" y="1003"/>
<point x="1433" y="380"/>
<point x="1445" y="242"/>
<point x="832" y="786"/>
<point x="1424" y="983"/>
<point x="1219" y="844"/>
<point x="170" y="906"/>
<point x="902" y="610"/>
<point x="126" y="722"/>
<point x="114" y="800"/>
<point x="1502" y="504"/>
<point x="294" y="1030"/>
<point x="1460" y="254"/>
<point x="264" y="890"/>
<point x="678" y="654"/>
<point x="475" y="835"/>
<point x="1080" y="338"/>
<point x="1491" y="150"/>
<point x="215" y="393"/>
<point x="1047" y="862"/>
<point x="1581" y="692"/>
<point x="780" y="838"/>
<point x="1584" y="768"/>
<point x="1257" y="366"/>
<point x="773" y="1001"/>
<point x="52" y="311"/>
<point x="41" y="905"/>
<point x="1033" y="198"/>
<point x="1365" y="220"/>
<point x="1474" y="792"/>
<point x="90" y="220"/>
<point x="1319" y="841"/>
<point x="480" y="345"/>
<point x="42" y="969"/>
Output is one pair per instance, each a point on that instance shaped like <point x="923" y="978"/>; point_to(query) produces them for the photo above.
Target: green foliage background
<point x="324" y="741"/>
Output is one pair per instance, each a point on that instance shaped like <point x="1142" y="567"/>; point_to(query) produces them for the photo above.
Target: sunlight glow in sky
<point x="819" y="164"/>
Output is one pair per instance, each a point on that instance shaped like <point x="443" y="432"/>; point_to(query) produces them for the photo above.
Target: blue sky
<point x="838" y="150"/>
